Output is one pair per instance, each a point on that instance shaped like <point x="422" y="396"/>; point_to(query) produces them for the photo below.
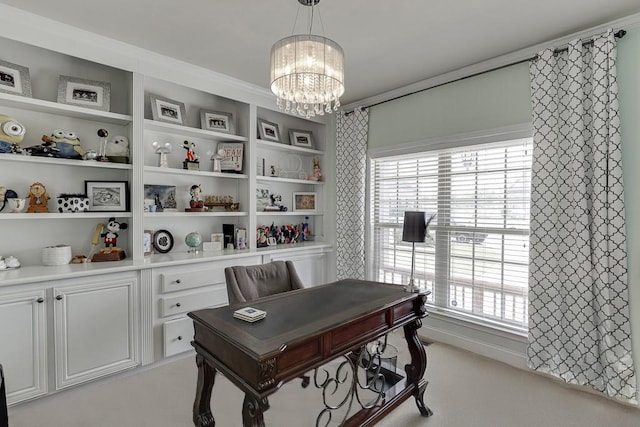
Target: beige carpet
<point x="464" y="390"/>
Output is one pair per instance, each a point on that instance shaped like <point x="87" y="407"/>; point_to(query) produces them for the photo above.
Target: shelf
<point x="192" y="214"/>
<point x="63" y="162"/>
<point x="288" y="180"/>
<point x="186" y="131"/>
<point x="288" y="148"/>
<point x="78" y="215"/>
<point x="48" y="107"/>
<point x="175" y="171"/>
<point x="295" y="213"/>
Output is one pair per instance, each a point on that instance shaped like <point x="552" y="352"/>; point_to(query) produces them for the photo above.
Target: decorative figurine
<point x="217" y="160"/>
<point x="191" y="162"/>
<point x="16" y="205"/>
<point x="65" y="144"/>
<point x="317" y="174"/>
<point x="196" y="203"/>
<point x="102" y="154"/>
<point x="162" y="150"/>
<point x="110" y="252"/>
<point x="117" y="150"/>
<point x="6" y="196"/>
<point x="38" y="198"/>
<point x="11" y="134"/>
<point x="111" y="235"/>
<point x="305" y="229"/>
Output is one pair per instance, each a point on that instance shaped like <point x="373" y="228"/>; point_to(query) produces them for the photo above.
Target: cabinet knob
<point x="178" y="304"/>
<point x="178" y="281"/>
<point x="40" y="300"/>
<point x="179" y="337"/>
<point x="59" y="297"/>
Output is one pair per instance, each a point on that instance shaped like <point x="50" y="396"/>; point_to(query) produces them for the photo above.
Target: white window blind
<point x="475" y="257"/>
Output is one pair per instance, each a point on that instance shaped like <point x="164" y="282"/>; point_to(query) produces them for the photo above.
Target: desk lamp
<point x="413" y="230"/>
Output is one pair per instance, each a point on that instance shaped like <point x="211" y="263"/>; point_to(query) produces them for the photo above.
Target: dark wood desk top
<point x="296" y="315"/>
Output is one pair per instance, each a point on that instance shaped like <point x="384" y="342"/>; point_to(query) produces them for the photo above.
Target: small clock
<point x="162" y="241"/>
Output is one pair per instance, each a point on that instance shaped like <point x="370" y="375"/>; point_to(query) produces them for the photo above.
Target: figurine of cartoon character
<point x="5" y="195"/>
<point x="117" y="150"/>
<point x="111" y="235"/>
<point x="65" y="143"/>
<point x="317" y="174"/>
<point x="11" y="134"/>
<point x="196" y="200"/>
<point x="191" y="154"/>
<point x="38" y="198"/>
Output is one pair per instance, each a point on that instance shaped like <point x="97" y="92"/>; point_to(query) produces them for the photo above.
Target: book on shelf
<point x="249" y="314"/>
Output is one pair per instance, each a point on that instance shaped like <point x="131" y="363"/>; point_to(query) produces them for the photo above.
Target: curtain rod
<point x="619" y="34"/>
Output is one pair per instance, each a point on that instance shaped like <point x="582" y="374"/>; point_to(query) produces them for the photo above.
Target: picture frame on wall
<point x="84" y="93"/>
<point x="305" y="202"/>
<point x="217" y="121"/>
<point x="107" y="196"/>
<point x="167" y="110"/>
<point x="14" y="79"/>
<point x="268" y="131"/>
<point x="301" y="138"/>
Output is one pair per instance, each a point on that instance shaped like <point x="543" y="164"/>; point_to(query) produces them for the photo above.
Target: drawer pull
<point x="178" y="281"/>
<point x="40" y="300"/>
<point x="179" y="337"/>
<point x="178" y="304"/>
<point x="59" y="297"/>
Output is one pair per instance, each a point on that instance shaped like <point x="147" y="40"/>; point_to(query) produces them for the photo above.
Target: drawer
<point x="194" y="300"/>
<point x="177" y="336"/>
<point x="191" y="279"/>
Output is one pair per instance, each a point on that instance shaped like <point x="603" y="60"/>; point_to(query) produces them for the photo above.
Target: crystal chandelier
<point x="307" y="72"/>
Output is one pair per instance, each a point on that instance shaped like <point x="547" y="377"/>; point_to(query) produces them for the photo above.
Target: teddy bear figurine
<point x="38" y="198"/>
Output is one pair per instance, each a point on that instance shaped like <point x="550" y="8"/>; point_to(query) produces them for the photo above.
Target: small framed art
<point x="232" y="156"/>
<point x="300" y="138"/>
<point x="14" y="79"/>
<point x="304" y="202"/>
<point x="162" y="241"/>
<point x="217" y="121"/>
<point x="107" y="196"/>
<point x="268" y="131"/>
<point x="147" y="242"/>
<point x="167" y="110"/>
<point x="84" y="93"/>
<point x="163" y="196"/>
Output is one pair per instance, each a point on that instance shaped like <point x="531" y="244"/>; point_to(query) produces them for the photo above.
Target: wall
<point x="498" y="99"/>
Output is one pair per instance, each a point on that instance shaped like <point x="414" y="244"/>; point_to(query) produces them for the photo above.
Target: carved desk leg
<point x="253" y="410"/>
<point x="202" y="416"/>
<point x="415" y="370"/>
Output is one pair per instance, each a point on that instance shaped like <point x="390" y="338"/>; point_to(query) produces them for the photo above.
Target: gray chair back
<point x="246" y="283"/>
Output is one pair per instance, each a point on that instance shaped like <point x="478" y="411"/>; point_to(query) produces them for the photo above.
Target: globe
<point x="193" y="240"/>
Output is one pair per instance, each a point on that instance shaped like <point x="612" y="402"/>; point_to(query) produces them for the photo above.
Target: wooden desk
<point x="303" y="330"/>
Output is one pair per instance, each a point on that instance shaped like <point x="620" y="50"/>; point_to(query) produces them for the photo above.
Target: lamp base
<point x="411" y="287"/>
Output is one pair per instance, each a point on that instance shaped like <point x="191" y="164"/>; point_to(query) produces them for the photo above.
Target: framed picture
<point x="108" y="196"/>
<point x="147" y="242"/>
<point x="14" y="79"/>
<point x="300" y="138"/>
<point x="263" y="198"/>
<point x="167" y="110"/>
<point x="231" y="153"/>
<point x="268" y="131"/>
<point x="162" y="241"/>
<point x="217" y="121"/>
<point x="304" y="202"/>
<point x="164" y="197"/>
<point x="84" y="93"/>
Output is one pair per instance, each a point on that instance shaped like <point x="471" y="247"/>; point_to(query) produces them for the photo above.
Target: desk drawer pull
<point x="178" y="281"/>
<point x="178" y="304"/>
<point x="179" y="337"/>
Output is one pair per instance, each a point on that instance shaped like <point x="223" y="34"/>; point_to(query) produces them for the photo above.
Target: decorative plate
<point x="162" y="241"/>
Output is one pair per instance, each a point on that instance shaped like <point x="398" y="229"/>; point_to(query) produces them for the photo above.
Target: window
<point x="475" y="257"/>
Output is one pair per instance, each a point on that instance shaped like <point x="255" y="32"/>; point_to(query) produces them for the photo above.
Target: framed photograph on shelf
<point x="84" y="93"/>
<point x="232" y="154"/>
<point x="167" y="110"/>
<point x="14" y="79"/>
<point x="304" y="202"/>
<point x="268" y="131"/>
<point x="262" y="198"/>
<point x="164" y="197"/>
<point x="300" y="138"/>
<point x="147" y="242"/>
<point x="107" y="196"/>
<point x="217" y="121"/>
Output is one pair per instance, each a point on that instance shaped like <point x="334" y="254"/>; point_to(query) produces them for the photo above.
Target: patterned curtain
<point x="351" y="166"/>
<point x="579" y="327"/>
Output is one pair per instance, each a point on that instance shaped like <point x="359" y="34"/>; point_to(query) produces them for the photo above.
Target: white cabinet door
<point x="310" y="266"/>
<point x="23" y="342"/>
<point x="96" y="330"/>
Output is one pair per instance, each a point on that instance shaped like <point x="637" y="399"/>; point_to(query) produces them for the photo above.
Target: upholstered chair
<point x="246" y="283"/>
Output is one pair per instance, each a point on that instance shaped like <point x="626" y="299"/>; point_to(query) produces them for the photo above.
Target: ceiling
<point x="387" y="44"/>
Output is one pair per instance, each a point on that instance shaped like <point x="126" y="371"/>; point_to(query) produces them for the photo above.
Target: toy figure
<point x="111" y="235"/>
<point x="5" y="195"/>
<point x="66" y="144"/>
<point x="11" y="134"/>
<point x="38" y="198"/>
<point x="317" y="174"/>
<point x="117" y="150"/>
<point x="305" y="229"/>
<point x="102" y="155"/>
<point x="191" y="162"/>
<point x="196" y="200"/>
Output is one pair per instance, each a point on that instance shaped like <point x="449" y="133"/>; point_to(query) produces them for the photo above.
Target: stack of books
<point x="249" y="314"/>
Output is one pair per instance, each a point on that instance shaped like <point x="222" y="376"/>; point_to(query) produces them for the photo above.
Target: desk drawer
<point x="191" y="279"/>
<point x="185" y="302"/>
<point x="177" y="336"/>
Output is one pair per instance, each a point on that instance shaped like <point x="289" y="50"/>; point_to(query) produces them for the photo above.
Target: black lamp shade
<point x="414" y="227"/>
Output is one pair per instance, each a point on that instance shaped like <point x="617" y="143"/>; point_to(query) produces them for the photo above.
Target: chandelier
<point x="307" y="72"/>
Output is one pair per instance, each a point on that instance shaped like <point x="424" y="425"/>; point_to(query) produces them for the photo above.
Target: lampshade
<point x="414" y="229"/>
<point x="307" y="73"/>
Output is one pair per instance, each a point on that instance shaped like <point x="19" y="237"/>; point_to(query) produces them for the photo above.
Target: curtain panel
<point x="579" y="328"/>
<point x="351" y="166"/>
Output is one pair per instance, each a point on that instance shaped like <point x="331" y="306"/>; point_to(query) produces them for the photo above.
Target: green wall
<point x="502" y="98"/>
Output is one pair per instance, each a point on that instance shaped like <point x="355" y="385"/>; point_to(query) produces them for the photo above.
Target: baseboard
<point x="511" y="351"/>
